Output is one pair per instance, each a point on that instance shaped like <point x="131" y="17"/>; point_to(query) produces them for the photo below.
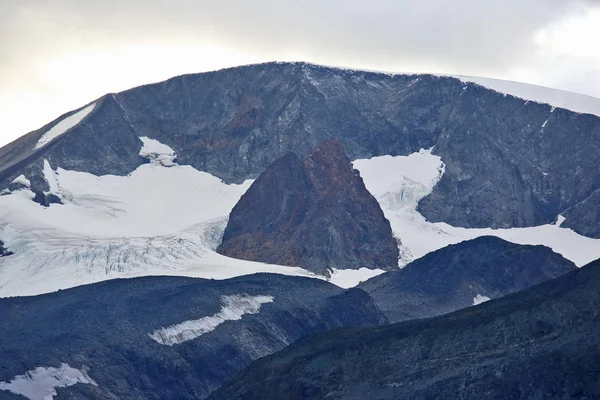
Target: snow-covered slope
<point x="155" y="221"/>
<point x="400" y="182"/>
<point x="558" y="98"/>
<point x="167" y="219"/>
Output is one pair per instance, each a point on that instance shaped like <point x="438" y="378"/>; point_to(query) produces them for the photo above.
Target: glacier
<point x="168" y="219"/>
<point x="398" y="183"/>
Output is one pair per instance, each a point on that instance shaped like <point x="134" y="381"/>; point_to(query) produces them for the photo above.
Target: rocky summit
<point x="314" y="213"/>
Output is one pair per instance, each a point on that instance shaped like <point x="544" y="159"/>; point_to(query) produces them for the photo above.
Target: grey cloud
<point x="470" y="37"/>
<point x="461" y="36"/>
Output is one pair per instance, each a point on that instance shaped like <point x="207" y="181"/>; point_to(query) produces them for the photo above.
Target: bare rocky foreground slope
<point x="164" y="337"/>
<point x="541" y="343"/>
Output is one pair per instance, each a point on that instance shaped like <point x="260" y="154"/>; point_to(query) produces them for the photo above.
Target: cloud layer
<point x="63" y="53"/>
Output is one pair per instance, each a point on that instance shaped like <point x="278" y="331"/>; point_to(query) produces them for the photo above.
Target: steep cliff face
<point x="540" y="343"/>
<point x="314" y="213"/>
<point x="461" y="275"/>
<point x="509" y="162"/>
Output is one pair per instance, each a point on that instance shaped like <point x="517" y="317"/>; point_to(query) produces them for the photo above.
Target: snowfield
<point x="168" y="219"/>
<point x="41" y="383"/>
<point x="398" y="183"/>
<point x="233" y="309"/>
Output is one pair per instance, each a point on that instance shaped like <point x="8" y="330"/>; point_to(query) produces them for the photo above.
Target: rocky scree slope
<point x="509" y="162"/>
<point x="314" y="213"/>
<point x="461" y="275"/>
<point x="540" y="343"/>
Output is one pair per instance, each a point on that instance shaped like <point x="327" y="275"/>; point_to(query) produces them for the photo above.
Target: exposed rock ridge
<point x="314" y="213"/>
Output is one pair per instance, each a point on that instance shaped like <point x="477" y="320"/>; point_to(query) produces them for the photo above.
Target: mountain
<point x="540" y="343"/>
<point x="462" y="275"/>
<point x="314" y="213"/>
<point x="162" y="337"/>
<point x="142" y="182"/>
<point x="234" y="123"/>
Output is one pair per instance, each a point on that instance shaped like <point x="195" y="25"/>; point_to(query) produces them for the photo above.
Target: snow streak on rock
<point x="233" y="308"/>
<point x="41" y="383"/>
<point x="64" y="125"/>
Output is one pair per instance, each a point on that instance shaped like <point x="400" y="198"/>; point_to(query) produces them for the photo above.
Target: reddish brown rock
<point x="314" y="213"/>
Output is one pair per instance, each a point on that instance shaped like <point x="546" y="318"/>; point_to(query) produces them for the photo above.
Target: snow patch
<point x="480" y="299"/>
<point x="64" y="125"/>
<point x="22" y="180"/>
<point x="233" y="309"/>
<point x="41" y="383"/>
<point x="51" y="178"/>
<point x="398" y="183"/>
<point x="157" y="152"/>
<point x="347" y="278"/>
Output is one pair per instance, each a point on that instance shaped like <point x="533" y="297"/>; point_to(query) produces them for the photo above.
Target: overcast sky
<point x="56" y="55"/>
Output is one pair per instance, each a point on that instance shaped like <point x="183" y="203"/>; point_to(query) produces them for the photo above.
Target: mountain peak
<point x="315" y="214"/>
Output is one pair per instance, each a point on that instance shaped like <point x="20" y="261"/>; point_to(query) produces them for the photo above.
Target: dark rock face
<point x="45" y="200"/>
<point x="453" y="277"/>
<point x="105" y="327"/>
<point x="4" y="251"/>
<point x="314" y="213"/>
<point x="509" y="162"/>
<point x="541" y="343"/>
<point x="584" y="217"/>
<point x="103" y="143"/>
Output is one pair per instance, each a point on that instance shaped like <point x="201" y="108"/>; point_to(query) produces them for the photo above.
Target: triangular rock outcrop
<point x="314" y="213"/>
